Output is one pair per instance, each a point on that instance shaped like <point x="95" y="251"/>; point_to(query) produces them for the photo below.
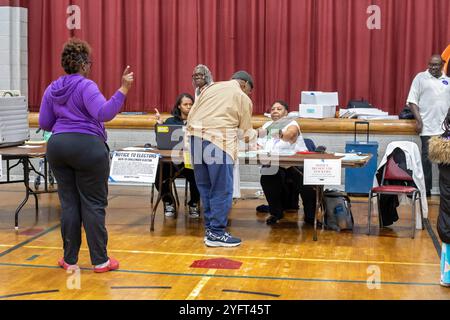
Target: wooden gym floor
<point x="273" y="263"/>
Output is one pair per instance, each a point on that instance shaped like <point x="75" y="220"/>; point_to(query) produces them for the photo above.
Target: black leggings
<point x="282" y="187"/>
<point x="186" y="173"/>
<point x="80" y="164"/>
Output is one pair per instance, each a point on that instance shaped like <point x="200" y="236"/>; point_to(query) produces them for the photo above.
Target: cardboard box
<point x="316" y="111"/>
<point x="320" y="98"/>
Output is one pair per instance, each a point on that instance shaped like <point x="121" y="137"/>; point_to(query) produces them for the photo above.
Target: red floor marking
<point x="222" y="263"/>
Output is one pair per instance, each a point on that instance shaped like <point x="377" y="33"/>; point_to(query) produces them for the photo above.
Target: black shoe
<point x="263" y="209"/>
<point x="169" y="210"/>
<point x="272" y="220"/>
<point x="194" y="212"/>
<point x="310" y="221"/>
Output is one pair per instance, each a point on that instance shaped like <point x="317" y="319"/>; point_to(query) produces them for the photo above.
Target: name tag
<point x="163" y="129"/>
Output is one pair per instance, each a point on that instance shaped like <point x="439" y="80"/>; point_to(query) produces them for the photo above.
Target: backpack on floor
<point x="338" y="213"/>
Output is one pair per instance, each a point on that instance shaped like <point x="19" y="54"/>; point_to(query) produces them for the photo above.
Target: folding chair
<point x="392" y="172"/>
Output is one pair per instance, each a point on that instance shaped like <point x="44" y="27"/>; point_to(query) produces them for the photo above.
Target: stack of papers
<point x="282" y="153"/>
<point x="251" y="154"/>
<point x="366" y="114"/>
<point x="351" y="156"/>
<point x="254" y="154"/>
<point x="137" y="149"/>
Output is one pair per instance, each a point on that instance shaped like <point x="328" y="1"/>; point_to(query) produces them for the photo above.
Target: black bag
<point x="406" y="114"/>
<point x="338" y="213"/>
<point x="359" y="104"/>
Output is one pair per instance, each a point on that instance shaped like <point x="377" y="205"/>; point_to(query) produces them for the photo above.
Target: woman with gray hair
<point x="201" y="79"/>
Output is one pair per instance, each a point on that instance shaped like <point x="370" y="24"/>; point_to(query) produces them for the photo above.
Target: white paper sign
<point x="137" y="167"/>
<point x="322" y="172"/>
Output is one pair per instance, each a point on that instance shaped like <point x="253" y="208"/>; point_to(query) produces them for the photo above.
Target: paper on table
<point x="36" y="142"/>
<point x="350" y="156"/>
<point x="250" y="154"/>
<point x="284" y="153"/>
<point x="137" y="149"/>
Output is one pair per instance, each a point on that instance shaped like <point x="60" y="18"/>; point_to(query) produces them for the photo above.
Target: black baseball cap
<point x="243" y="75"/>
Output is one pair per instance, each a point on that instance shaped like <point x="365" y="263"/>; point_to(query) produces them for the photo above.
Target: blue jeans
<point x="213" y="169"/>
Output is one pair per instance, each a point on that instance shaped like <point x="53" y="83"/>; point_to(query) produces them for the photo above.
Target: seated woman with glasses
<point x="180" y="113"/>
<point x="282" y="185"/>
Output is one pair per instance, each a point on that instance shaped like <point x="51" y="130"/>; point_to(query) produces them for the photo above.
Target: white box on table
<point x="320" y="98"/>
<point x="316" y="111"/>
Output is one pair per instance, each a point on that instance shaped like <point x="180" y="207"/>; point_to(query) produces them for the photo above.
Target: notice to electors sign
<point x="322" y="172"/>
<point x="137" y="167"/>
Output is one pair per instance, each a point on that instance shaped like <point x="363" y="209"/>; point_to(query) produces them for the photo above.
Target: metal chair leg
<point x="414" y="196"/>
<point x="380" y="217"/>
<point x="421" y="209"/>
<point x="370" y="213"/>
<point x="186" y="186"/>
<point x="174" y="186"/>
<point x="152" y="196"/>
<point x="176" y="204"/>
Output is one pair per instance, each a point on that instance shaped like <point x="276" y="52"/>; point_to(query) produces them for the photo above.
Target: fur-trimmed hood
<point x="439" y="151"/>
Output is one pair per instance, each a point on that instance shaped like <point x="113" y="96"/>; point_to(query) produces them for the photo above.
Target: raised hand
<point x="127" y="80"/>
<point x="158" y="116"/>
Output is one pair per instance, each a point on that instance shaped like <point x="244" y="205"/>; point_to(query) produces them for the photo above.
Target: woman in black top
<point x="180" y="113"/>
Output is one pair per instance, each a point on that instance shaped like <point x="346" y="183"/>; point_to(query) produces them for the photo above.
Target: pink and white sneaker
<point x="67" y="266"/>
<point x="112" y="265"/>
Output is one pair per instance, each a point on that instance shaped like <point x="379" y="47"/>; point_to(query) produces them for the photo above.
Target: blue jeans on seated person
<point x="213" y="170"/>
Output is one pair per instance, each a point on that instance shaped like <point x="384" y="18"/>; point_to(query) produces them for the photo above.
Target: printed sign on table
<point x="319" y="172"/>
<point x="137" y="167"/>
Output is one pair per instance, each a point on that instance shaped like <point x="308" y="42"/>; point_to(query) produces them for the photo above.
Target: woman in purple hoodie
<point x="74" y="109"/>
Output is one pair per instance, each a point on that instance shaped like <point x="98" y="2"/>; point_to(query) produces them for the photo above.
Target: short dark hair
<point x="176" y="112"/>
<point x="283" y="103"/>
<point x="75" y="53"/>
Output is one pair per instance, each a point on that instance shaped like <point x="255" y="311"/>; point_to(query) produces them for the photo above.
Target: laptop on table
<point x="169" y="137"/>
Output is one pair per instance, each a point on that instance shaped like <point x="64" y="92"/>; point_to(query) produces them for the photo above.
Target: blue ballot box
<point x="360" y="181"/>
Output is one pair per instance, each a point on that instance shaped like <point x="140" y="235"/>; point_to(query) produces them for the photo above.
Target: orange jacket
<point x="446" y="57"/>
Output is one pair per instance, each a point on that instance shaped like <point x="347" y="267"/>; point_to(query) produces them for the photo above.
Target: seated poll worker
<point x="180" y="113"/>
<point x="280" y="188"/>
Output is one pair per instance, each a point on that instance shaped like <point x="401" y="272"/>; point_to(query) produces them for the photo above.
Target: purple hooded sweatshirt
<point x="74" y="104"/>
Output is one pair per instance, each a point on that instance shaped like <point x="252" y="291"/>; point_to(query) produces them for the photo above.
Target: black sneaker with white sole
<point x="169" y="210"/>
<point x="225" y="240"/>
<point x="194" y="212"/>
